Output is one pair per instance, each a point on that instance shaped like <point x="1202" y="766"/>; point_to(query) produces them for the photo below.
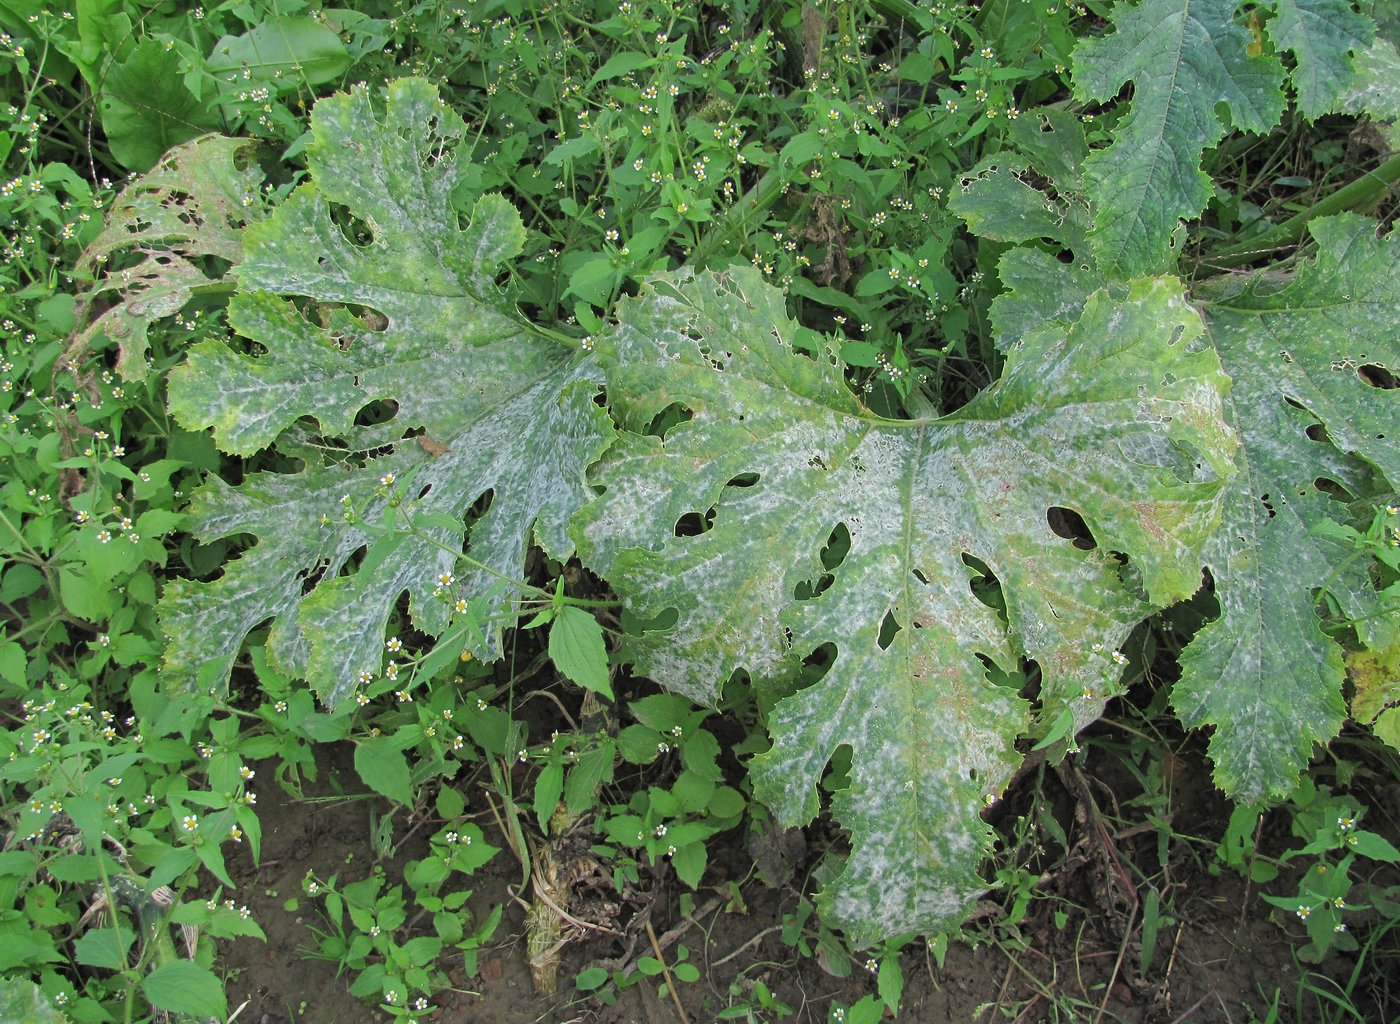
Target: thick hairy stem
<point x="1355" y="195"/>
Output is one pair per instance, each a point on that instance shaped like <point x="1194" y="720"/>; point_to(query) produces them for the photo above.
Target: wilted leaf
<point x="1375" y="675"/>
<point x="403" y="310"/>
<point x="1116" y="417"/>
<point x="182" y="224"/>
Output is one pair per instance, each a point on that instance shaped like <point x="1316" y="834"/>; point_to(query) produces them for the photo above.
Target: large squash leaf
<point x="1305" y="354"/>
<point x="1305" y="359"/>
<point x="486" y="408"/>
<point x="1183" y="58"/>
<point x="23" y="1002"/>
<point x="1322" y="35"/>
<point x="1116" y="416"/>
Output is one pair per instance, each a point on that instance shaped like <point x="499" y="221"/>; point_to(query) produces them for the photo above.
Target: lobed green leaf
<point x="1184" y="59"/>
<point x="487" y="412"/>
<point x="1098" y="416"/>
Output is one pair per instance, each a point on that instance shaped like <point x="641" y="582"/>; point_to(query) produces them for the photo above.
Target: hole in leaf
<point x="888" y="629"/>
<point x="838" y="546"/>
<point x="1069" y="524"/>
<point x="636" y="625"/>
<point x="1331" y="488"/>
<point x="813" y="670"/>
<point x="1378" y="376"/>
<point x="1317" y="432"/>
<point x="839" y="775"/>
<point x="806" y="590"/>
<point x="822" y="658"/>
<point x="1130" y="575"/>
<point x="984" y="586"/>
<point x="479" y="508"/>
<point x="693" y="524"/>
<point x="743" y="480"/>
<point x="919" y="575"/>
<point x="1264" y="498"/>
<point x="377" y="412"/>
<point x="368" y="316"/>
<point x="313" y="576"/>
<point x="668" y="419"/>
<point x="355" y="231"/>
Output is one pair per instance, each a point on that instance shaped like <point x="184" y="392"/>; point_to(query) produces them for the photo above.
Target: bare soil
<point x="1076" y="955"/>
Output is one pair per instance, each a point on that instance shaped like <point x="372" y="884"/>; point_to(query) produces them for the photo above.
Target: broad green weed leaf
<point x="103" y="947"/>
<point x="1264" y="674"/>
<point x="146" y="108"/>
<point x="577" y="649"/>
<point x="1117" y="416"/>
<point x="384" y="768"/>
<point x="181" y="986"/>
<point x="290" y="52"/>
<point x="1321" y="35"/>
<point x="184" y="221"/>
<point x="1183" y="59"/>
<point x="409" y="313"/>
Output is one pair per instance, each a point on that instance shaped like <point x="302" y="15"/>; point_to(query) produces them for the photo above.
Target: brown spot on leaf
<point x="434" y="448"/>
<point x="1146" y="513"/>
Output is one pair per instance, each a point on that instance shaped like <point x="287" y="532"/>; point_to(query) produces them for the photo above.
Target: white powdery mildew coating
<point x="207" y="622"/>
<point x="932" y="737"/>
<point x="1264" y="674"/>
<point x="500" y="410"/>
<point x="1375" y="89"/>
<point x="556" y="420"/>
